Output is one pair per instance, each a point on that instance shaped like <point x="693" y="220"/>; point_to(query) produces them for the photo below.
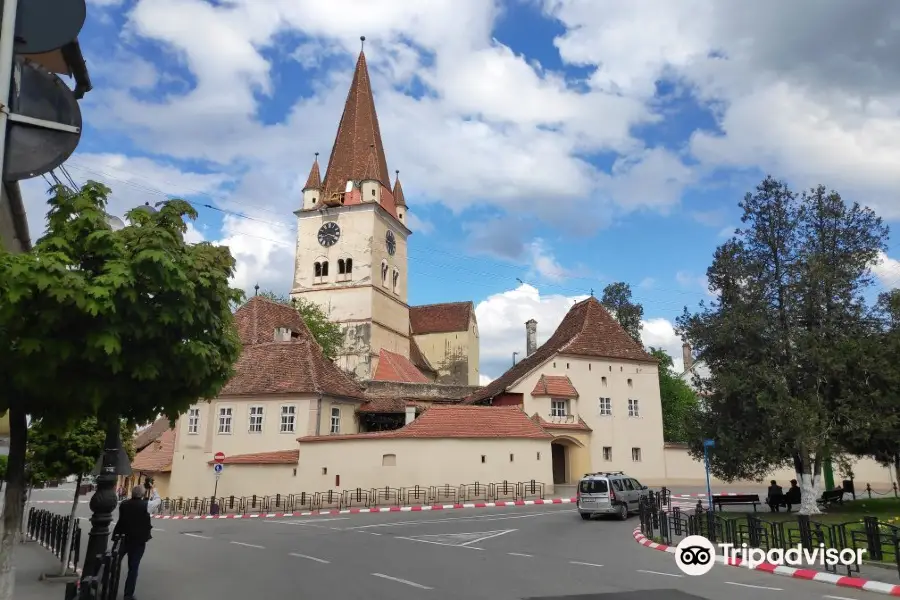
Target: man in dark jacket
<point x="775" y="496"/>
<point x="135" y="526"/>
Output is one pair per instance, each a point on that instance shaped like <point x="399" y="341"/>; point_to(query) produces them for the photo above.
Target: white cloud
<point x="502" y="316"/>
<point x="887" y="271"/>
<point x="543" y="263"/>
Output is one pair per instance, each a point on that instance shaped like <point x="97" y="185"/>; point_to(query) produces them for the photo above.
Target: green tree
<point x="328" y="334"/>
<point x="617" y="300"/>
<point x="54" y="454"/>
<point x="115" y="324"/>
<point x="784" y="341"/>
<point x="879" y="437"/>
<point x="679" y="401"/>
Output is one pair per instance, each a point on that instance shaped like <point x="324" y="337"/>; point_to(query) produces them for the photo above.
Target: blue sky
<point x="546" y="147"/>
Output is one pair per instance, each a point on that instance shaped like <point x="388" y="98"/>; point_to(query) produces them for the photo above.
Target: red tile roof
<point x="314" y="181"/>
<point x="151" y="433"/>
<point x="456" y="422"/>
<point x="156" y="457"/>
<point x="278" y="457"/>
<point x="440" y="318"/>
<point x="587" y="330"/>
<point x="396" y="367"/>
<point x="399" y="200"/>
<point x="579" y="426"/>
<point x="295" y="367"/>
<point x="559" y="386"/>
<point x="388" y="405"/>
<point x="259" y="317"/>
<point x="358" y="134"/>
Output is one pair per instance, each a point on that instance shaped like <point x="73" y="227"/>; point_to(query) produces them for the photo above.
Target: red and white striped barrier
<point x="808" y="574"/>
<point x="384" y="509"/>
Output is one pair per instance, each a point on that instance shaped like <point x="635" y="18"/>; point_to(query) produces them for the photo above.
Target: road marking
<point x="659" y="573"/>
<point x="318" y="560"/>
<point x="838" y="597"/>
<point x="478" y="518"/>
<point x="158" y="529"/>
<point x="517" y="554"/>
<point x="575" y="562"/>
<point x="248" y="545"/>
<point x="403" y="581"/>
<point x="409" y="539"/>
<point x="758" y="587"/>
<point x="370" y="532"/>
<point x="197" y="535"/>
<point x="310" y="522"/>
<point x="493" y="534"/>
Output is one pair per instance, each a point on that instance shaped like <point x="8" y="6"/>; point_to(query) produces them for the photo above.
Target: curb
<point x="704" y="495"/>
<point x="385" y="509"/>
<point x="807" y="574"/>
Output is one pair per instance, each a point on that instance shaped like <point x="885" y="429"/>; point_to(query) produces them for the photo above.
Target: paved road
<point x="498" y="554"/>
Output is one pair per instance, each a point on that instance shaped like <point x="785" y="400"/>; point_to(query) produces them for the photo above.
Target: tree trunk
<point x="15" y="494"/>
<point x="72" y="521"/>
<point x="809" y="476"/>
<point x="897" y="469"/>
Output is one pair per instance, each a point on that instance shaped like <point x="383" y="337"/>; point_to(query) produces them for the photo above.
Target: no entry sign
<point x="219" y="458"/>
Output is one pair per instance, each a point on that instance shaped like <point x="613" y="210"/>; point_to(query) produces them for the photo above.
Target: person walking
<point x="135" y="526"/>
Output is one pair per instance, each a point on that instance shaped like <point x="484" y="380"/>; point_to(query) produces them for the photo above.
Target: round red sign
<point x="219" y="457"/>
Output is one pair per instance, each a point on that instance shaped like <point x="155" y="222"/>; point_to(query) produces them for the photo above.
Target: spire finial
<point x="397" y="172"/>
<point x="362" y="43"/>
<point x="256" y="289"/>
<point x="317" y="156"/>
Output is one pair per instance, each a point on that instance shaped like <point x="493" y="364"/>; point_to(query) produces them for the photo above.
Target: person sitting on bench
<point x="792" y="497"/>
<point x="775" y="496"/>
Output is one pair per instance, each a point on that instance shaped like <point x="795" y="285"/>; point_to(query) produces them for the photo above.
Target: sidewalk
<point x="31" y="561"/>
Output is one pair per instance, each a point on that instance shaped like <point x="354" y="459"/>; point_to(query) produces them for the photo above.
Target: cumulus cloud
<point x="501" y="322"/>
<point x="887" y="271"/>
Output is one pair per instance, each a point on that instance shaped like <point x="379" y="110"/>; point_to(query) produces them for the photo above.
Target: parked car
<point x="609" y="494"/>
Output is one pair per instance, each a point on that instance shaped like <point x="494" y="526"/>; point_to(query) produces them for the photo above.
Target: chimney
<point x="687" y="356"/>
<point x="410" y="413"/>
<point x="530" y="337"/>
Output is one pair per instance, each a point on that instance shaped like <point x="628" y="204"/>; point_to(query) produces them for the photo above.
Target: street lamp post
<point x="104" y="500"/>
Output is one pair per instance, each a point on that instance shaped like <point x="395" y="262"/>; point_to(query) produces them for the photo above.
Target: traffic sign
<point x="219" y="467"/>
<point x="219" y="458"/>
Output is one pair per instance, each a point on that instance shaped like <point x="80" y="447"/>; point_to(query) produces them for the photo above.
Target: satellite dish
<point x="44" y="122"/>
<point x="115" y="223"/>
<point x="47" y="25"/>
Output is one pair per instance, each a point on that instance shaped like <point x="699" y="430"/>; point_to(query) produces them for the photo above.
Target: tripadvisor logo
<point x="696" y="555"/>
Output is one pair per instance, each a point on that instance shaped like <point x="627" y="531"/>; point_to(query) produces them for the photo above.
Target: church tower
<point x="351" y="255"/>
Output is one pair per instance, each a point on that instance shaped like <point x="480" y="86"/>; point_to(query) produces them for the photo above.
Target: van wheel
<point x="586" y="516"/>
<point x="623" y="512"/>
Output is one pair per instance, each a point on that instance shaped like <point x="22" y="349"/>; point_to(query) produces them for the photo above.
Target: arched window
<point x="348" y="266"/>
<point x="340" y="266"/>
<point x="317" y="269"/>
<point x="384" y="273"/>
<point x="396" y="280"/>
<point x="325" y="268"/>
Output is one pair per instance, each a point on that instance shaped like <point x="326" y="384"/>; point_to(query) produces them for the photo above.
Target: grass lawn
<point x="850" y="514"/>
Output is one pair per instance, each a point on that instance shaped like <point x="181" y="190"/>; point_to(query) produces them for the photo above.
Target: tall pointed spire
<point x="399" y="200"/>
<point x="357" y="135"/>
<point x="314" y="181"/>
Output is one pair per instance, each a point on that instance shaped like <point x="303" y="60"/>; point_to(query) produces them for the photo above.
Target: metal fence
<point x="51" y="530"/>
<point x="507" y="491"/>
<point x="880" y="540"/>
<point x="104" y="584"/>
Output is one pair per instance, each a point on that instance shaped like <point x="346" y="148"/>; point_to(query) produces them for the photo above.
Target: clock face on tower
<point x="390" y="242"/>
<point x="329" y="234"/>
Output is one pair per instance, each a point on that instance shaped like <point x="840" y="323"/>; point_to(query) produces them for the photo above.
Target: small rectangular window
<point x="288" y="418"/>
<point x="225" y="420"/>
<point x="607" y="453"/>
<point x="636" y="454"/>
<point x="603" y="381"/>
<point x="634" y="409"/>
<point x="335" y="420"/>
<point x="510" y="458"/>
<point x="558" y="408"/>
<point x="630" y="383"/>
<point x="605" y="406"/>
<point x="483" y="458"/>
<point x="194" y="421"/>
<point x="256" y="419"/>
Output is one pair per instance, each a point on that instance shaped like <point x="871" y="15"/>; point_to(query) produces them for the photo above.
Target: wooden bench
<point x="739" y="499"/>
<point x="831" y="497"/>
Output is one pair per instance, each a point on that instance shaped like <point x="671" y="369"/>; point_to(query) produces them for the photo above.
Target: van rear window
<point x="594" y="486"/>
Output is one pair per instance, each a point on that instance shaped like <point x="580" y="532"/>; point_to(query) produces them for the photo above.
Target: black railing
<point x="51" y="530"/>
<point x="879" y="540"/>
<point x="104" y="584"/>
<point x="503" y="491"/>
